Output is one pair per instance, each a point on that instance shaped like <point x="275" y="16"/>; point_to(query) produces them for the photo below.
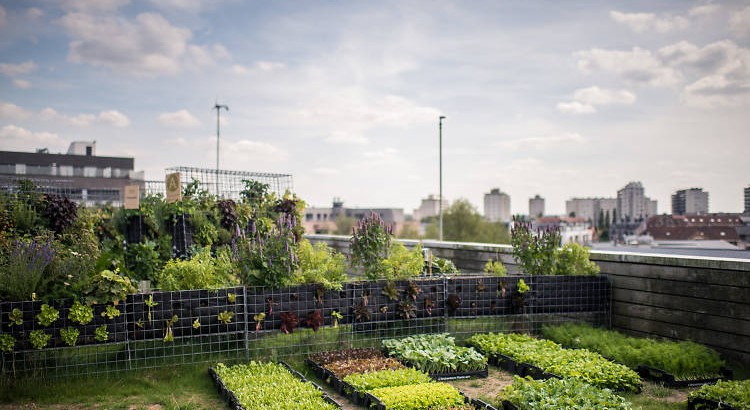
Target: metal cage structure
<point x="224" y="183"/>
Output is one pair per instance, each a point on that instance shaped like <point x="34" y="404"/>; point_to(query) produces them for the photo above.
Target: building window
<point x="89" y="172"/>
<point x="107" y="172"/>
<point x="78" y="171"/>
<point x="308" y="217"/>
<point x="21" y="169"/>
<point x="7" y="168"/>
<point x="66" y="170"/>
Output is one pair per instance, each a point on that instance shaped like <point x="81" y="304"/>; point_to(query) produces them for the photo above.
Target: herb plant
<point x="47" y="315"/>
<point x="225" y="317"/>
<point x="80" y="313"/>
<point x="496" y="268"/>
<point x="15" y="317"/>
<point x="39" y="339"/>
<point x="69" y="335"/>
<point x="111" y="312"/>
<point x="534" y="251"/>
<point x="321" y="264"/>
<point x="21" y="273"/>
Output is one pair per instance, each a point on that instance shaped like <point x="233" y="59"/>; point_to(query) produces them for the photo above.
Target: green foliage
<point x="205" y="232"/>
<point x="573" y="259"/>
<point x="22" y="267"/>
<point x="685" y="360"/>
<point x="554" y="393"/>
<point x="441" y="265"/>
<point x="402" y="263"/>
<point x="463" y="223"/>
<point x="108" y="286"/>
<point x="495" y="267"/>
<point x="69" y="335"/>
<point x="255" y="193"/>
<point x="150" y="304"/>
<point x="226" y="317"/>
<point x="101" y="334"/>
<point x="370" y="244"/>
<point x="15" y="317"/>
<point x="270" y="386"/>
<point x="202" y="271"/>
<point x="435" y="354"/>
<point x="47" y="315"/>
<point x="344" y="225"/>
<point x="80" y="313"/>
<point x="168" y="334"/>
<point x="535" y="252"/>
<point x="522" y="287"/>
<point x="111" y="312"/>
<point x="39" y="339"/>
<point x="7" y="342"/>
<point x="269" y="259"/>
<point x="142" y="261"/>
<point x="24" y="218"/>
<point x="580" y="364"/>
<point x="321" y="264"/>
<point x="363" y="382"/>
<point x="735" y="393"/>
<point x="419" y="396"/>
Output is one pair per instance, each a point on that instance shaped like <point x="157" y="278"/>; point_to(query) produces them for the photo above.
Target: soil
<point x="484" y="389"/>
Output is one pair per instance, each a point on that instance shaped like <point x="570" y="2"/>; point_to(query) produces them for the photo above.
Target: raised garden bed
<point x="730" y="395"/>
<point x="546" y="359"/>
<point x="259" y="386"/>
<point x="437" y="355"/>
<point x="676" y="364"/>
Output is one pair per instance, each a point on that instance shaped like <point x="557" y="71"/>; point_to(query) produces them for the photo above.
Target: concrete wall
<point x="706" y="300"/>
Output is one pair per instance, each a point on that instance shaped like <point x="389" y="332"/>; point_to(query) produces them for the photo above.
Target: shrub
<point x="202" y="271"/>
<point x="142" y="260"/>
<point x="322" y="265"/>
<point x="573" y="259"/>
<point x="534" y="251"/>
<point x="402" y="263"/>
<point x="22" y="269"/>
<point x="560" y="394"/>
<point x="495" y="267"/>
<point x="59" y="211"/>
<point x="269" y="259"/>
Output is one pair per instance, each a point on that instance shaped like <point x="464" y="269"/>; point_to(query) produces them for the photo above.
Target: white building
<point x="430" y="206"/>
<point x="497" y="206"/>
<point x="632" y="203"/>
<point x="536" y="207"/>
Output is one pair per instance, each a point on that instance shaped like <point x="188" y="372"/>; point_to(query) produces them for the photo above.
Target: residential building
<point x="323" y="219"/>
<point x="536" y="207"/>
<point x="690" y="201"/>
<point x="429" y="207"/>
<point x="694" y="227"/>
<point x="633" y="205"/>
<point x="590" y="208"/>
<point x="497" y="206"/>
<point x="747" y="200"/>
<point x="79" y="174"/>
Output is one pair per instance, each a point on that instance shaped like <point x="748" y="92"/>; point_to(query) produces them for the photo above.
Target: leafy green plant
<point x="15" y="317"/>
<point x="552" y="358"/>
<point x="685" y="360"/>
<point x="444" y="266"/>
<point x="735" y="393"/>
<point x="101" y="334"/>
<point x="196" y="324"/>
<point x="80" y="313"/>
<point x="270" y="386"/>
<point x="150" y="304"/>
<point x="142" y="261"/>
<point x="370" y="242"/>
<point x="47" y="315"/>
<point x="109" y="286"/>
<point x="7" y="342"/>
<point x="321" y="264"/>
<point x="535" y="252"/>
<point x="111" y="312"/>
<point x="435" y="354"/>
<point x="259" y="321"/>
<point x="168" y="334"/>
<point x="402" y="263"/>
<point x="495" y="267"/>
<point x="336" y="317"/>
<point x="419" y="396"/>
<point x="231" y="297"/>
<point x="202" y="271"/>
<point x="560" y="394"/>
<point x="522" y="287"/>
<point x="391" y="291"/>
<point x="363" y="382"/>
<point x="573" y="259"/>
<point x="39" y="339"/>
<point x="226" y="317"/>
<point x="69" y="335"/>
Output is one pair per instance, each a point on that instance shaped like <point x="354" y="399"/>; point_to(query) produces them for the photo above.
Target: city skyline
<point x="560" y="100"/>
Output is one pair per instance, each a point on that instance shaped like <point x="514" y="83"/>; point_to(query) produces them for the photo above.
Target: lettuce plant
<point x="363" y="382"/>
<point x="560" y="394"/>
<point x="735" y="393"/>
<point x="419" y="396"/>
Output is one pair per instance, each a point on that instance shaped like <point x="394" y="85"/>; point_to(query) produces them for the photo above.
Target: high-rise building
<point x="590" y="208"/>
<point x="632" y="203"/>
<point x="430" y="206"/>
<point x="536" y="207"/>
<point x="690" y="201"/>
<point x="747" y="200"/>
<point x="497" y="206"/>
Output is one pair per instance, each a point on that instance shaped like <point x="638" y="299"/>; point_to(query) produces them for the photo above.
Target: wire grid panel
<point x="229" y="184"/>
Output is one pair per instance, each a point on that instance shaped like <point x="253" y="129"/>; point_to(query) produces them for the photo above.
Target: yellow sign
<point x="174" y="189"/>
<point x="132" y="196"/>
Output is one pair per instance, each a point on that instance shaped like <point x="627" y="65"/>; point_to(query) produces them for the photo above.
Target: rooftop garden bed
<point x="437" y="355"/>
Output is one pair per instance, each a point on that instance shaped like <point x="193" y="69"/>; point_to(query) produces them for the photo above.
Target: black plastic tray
<point x="707" y="404"/>
<point x="668" y="379"/>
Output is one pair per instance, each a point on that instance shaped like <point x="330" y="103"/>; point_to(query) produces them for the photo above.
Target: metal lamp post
<point x="440" y="203"/>
<point x="218" y="108"/>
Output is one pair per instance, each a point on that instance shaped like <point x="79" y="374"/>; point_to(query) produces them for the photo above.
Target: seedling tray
<point x="299" y="375"/>
<point x="697" y="403"/>
<point x="669" y="380"/>
<point x="375" y="403"/>
<point x="459" y="375"/>
<point x="536" y="373"/>
<point x="509" y="406"/>
<point x="502" y="361"/>
<point x="224" y="392"/>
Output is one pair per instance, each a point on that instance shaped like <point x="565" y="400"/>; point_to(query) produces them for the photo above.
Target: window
<point x="66" y="170"/>
<point x="89" y="172"/>
<point x="21" y="169"/>
<point x="308" y="217"/>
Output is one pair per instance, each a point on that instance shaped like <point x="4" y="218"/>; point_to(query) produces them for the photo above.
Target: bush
<point x="402" y="263"/>
<point x="370" y="242"/>
<point x="322" y="265"/>
<point x="142" y="261"/>
<point x="573" y="259"/>
<point x="202" y="271"/>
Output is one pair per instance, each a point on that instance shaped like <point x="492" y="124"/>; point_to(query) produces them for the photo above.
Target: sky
<point x="561" y="99"/>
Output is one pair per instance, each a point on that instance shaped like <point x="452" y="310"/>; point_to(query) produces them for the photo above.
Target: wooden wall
<point x="682" y="298"/>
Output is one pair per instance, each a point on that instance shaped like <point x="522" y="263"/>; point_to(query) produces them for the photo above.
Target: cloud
<point x="550" y="142"/>
<point x="340" y="137"/>
<point x="637" y="66"/>
<point x="181" y="118"/>
<point x="18" y="83"/>
<point x="739" y="23"/>
<point x="17" y="138"/>
<point x="704" y="10"/>
<point x="109" y="117"/>
<point x="180" y="5"/>
<point x="34" y="13"/>
<point x="92" y="6"/>
<point x="12" y="111"/>
<point x="642" y="22"/>
<point x="585" y="100"/>
<point x="259" y="66"/>
<point x="146" y="46"/>
<point x="13" y="70"/>
<point x="245" y="150"/>
<point x="575" y="107"/>
<point x="3" y="15"/>
<point x="114" y="118"/>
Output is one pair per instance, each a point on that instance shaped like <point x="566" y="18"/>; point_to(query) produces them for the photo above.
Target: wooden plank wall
<point x="681" y="298"/>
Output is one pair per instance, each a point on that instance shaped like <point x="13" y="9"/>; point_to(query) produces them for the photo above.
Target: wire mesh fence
<point x="192" y="326"/>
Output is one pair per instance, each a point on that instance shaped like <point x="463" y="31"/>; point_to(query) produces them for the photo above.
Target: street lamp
<point x="440" y="204"/>
<point x="218" y="108"/>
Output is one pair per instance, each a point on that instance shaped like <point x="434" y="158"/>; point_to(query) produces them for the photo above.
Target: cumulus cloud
<point x="114" y="118"/>
<point x="739" y="23"/>
<point x="258" y="67"/>
<point x="17" y="138"/>
<point x="575" y="107"/>
<point x="12" y="111"/>
<point x="109" y="117"/>
<point x="703" y="10"/>
<point x="585" y="100"/>
<point x="181" y="118"/>
<point x="13" y="70"/>
<point x="3" y="15"/>
<point x="148" y="45"/>
<point x="93" y="6"/>
<point x="637" y="66"/>
<point x="542" y="143"/>
<point x="642" y="22"/>
<point x="340" y="137"/>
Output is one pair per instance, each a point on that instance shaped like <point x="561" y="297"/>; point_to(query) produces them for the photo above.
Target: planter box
<point x="525" y="369"/>
<point x="699" y="403"/>
<point x="460" y="375"/>
<point x="660" y="376"/>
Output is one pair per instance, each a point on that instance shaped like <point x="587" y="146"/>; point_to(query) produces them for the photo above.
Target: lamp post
<point x="218" y="108"/>
<point x="440" y="203"/>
